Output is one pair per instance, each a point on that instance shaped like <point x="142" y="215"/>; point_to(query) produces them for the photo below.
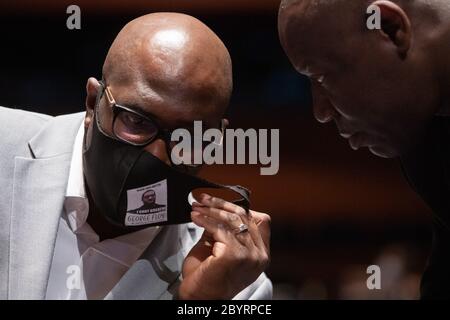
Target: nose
<point x="158" y="148"/>
<point x="322" y="108"/>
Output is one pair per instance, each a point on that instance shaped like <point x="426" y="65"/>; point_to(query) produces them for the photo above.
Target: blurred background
<point x="335" y="211"/>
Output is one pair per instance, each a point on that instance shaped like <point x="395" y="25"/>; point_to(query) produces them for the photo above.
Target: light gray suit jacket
<point x="35" y="155"/>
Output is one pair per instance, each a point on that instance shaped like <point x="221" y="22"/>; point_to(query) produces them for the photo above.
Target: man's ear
<point x="395" y="25"/>
<point x="92" y="90"/>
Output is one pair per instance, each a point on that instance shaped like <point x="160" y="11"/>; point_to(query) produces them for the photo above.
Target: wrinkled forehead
<point x="171" y="108"/>
<point x="175" y="100"/>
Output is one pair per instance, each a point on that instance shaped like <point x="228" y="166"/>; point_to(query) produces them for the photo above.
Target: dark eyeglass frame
<point x="117" y="108"/>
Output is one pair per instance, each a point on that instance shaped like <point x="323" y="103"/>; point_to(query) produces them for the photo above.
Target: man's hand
<point x="224" y="261"/>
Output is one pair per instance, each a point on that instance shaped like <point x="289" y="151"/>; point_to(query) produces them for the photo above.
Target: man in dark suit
<point x="387" y="89"/>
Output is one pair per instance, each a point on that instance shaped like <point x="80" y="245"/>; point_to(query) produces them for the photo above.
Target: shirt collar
<point x="76" y="205"/>
<point x="75" y="183"/>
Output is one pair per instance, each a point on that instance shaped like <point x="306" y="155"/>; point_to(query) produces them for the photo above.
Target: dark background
<point x="334" y="211"/>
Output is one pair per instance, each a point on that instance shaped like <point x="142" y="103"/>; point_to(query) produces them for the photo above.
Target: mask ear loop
<point x="191" y="199"/>
<point x="244" y="202"/>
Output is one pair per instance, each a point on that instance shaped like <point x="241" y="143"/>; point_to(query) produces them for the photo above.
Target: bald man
<point x="386" y="89"/>
<point x="59" y="231"/>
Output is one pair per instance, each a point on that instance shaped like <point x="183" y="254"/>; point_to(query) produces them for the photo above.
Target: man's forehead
<point x="302" y="38"/>
<point x="167" y="110"/>
<point x="172" y="67"/>
<point x="319" y="21"/>
<point x="320" y="48"/>
<point x="307" y="58"/>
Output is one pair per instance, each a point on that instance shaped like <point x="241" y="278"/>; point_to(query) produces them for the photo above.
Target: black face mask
<point x="134" y="189"/>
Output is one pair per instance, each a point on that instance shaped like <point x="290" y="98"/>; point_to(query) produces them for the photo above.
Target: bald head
<point x="169" y="67"/>
<point x="171" y="57"/>
<point x="341" y="20"/>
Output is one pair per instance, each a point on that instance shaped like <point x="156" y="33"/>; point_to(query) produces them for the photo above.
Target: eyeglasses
<point x="137" y="129"/>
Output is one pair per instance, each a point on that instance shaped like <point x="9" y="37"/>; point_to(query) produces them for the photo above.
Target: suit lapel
<point x="38" y="191"/>
<point x="38" y="195"/>
<point x="156" y="275"/>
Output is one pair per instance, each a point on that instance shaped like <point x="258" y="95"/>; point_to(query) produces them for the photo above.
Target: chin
<point x="384" y="152"/>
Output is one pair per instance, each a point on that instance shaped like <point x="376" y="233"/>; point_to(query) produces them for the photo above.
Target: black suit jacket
<point x="427" y="169"/>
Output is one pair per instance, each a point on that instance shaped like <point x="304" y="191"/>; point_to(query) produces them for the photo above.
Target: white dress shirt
<point x="84" y="267"/>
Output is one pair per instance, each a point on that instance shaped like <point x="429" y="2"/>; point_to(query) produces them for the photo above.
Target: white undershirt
<point x="84" y="267"/>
